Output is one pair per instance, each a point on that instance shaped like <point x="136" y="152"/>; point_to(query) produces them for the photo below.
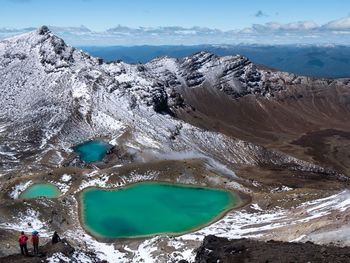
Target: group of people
<point x="23" y="239"/>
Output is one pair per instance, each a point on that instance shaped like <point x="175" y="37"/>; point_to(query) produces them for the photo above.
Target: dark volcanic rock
<point x="160" y="101"/>
<point x="216" y="249"/>
<point x="45" y="252"/>
<point x="43" y="30"/>
<point x="54" y="252"/>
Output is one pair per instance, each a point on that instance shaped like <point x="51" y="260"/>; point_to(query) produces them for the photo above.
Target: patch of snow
<point x="92" y="174"/>
<point x="7" y="153"/>
<point x="256" y="183"/>
<point x="117" y="166"/>
<point x="28" y="222"/>
<point x="99" y="181"/>
<point x="180" y="250"/>
<point x="298" y="239"/>
<point x="18" y="189"/>
<point x="58" y="258"/>
<point x="282" y="188"/>
<point x="256" y="207"/>
<point x="328" y="201"/>
<point x="238" y="224"/>
<point x="103" y="250"/>
<point x="135" y="177"/>
<point x="64" y="187"/>
<point x="145" y="250"/>
<point x="60" y="158"/>
<point x="80" y="91"/>
<point x="101" y="119"/>
<point x="66" y="178"/>
<point x="147" y="142"/>
<point x="81" y="257"/>
<point x="324" y="206"/>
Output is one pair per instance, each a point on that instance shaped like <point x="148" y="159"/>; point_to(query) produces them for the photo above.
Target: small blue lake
<point x="41" y="190"/>
<point x="92" y="151"/>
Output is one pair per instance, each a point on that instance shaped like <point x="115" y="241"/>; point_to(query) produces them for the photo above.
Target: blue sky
<point x="222" y="14"/>
<point x="239" y="21"/>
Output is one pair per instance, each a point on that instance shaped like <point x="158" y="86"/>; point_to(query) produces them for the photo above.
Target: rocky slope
<point x="203" y="120"/>
<point x="216" y="249"/>
<point x="60" y="252"/>
<point x="300" y="109"/>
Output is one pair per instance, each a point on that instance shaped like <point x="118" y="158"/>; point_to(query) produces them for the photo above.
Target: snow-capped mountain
<point x="50" y="90"/>
<point x="54" y="96"/>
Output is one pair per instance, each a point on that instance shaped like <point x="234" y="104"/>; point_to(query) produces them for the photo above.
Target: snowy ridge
<point x="61" y="96"/>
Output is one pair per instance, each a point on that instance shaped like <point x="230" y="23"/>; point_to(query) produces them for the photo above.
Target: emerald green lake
<point x="146" y="209"/>
<point x="41" y="190"/>
<point x="92" y="151"/>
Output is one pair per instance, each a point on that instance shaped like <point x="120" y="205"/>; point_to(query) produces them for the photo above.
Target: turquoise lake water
<point x="41" y="190"/>
<point x="146" y="209"/>
<point x="92" y="151"/>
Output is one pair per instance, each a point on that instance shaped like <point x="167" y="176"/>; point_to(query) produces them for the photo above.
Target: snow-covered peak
<point x="44" y="78"/>
<point x="44" y="47"/>
<point x="235" y="75"/>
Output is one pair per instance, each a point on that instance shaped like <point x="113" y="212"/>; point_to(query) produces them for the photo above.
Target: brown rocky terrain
<point x="215" y="249"/>
<point x="310" y="121"/>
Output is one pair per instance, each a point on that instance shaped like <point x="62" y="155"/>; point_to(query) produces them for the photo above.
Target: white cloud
<point x="73" y="30"/>
<point x="300" y="32"/>
<point x="171" y="30"/>
<point x="275" y="26"/>
<point x="304" y="25"/>
<point x="340" y="24"/>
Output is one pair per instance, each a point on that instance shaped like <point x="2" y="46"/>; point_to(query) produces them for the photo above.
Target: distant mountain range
<point x="318" y="61"/>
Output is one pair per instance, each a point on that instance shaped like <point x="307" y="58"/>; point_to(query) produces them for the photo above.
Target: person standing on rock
<point x="22" y="240"/>
<point x="35" y="242"/>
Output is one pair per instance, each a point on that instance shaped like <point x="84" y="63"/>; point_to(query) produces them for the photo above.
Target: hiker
<point x="35" y="242"/>
<point x="55" y="238"/>
<point x="22" y="240"/>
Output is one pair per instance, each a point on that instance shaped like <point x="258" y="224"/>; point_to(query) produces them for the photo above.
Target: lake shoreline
<point x="242" y="200"/>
